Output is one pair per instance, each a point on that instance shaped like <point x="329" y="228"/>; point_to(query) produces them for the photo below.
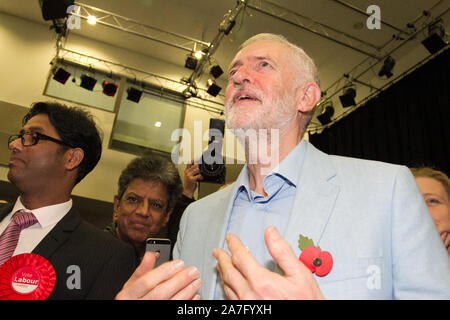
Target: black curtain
<point x="406" y="124"/>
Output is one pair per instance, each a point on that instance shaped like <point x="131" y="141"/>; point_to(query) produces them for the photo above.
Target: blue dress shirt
<point x="252" y="213"/>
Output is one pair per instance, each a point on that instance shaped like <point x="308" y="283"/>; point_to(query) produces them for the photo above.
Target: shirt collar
<point x="288" y="168"/>
<point x="46" y="215"/>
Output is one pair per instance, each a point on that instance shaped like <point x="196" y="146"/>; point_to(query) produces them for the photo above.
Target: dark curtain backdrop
<point x="406" y="124"/>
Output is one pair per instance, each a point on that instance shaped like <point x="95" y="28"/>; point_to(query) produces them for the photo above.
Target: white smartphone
<point x="159" y="245"/>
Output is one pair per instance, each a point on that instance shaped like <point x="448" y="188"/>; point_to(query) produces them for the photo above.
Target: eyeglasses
<point x="32" y="138"/>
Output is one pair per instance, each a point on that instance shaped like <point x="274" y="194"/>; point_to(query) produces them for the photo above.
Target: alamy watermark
<point x="374" y="20"/>
<point x="374" y="278"/>
<point x="73" y="20"/>
<point x="260" y="146"/>
<point x="74" y="279"/>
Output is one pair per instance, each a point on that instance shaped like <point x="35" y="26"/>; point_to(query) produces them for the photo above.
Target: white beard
<point x="260" y="128"/>
<point x="275" y="113"/>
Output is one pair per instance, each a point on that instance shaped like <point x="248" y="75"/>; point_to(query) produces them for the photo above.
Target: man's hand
<point x="244" y="278"/>
<point x="191" y="176"/>
<point x="169" y="281"/>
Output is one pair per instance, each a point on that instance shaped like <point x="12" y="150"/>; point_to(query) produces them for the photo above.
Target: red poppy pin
<point x="316" y="260"/>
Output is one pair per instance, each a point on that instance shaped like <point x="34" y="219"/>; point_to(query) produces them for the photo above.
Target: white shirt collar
<point x="46" y="215"/>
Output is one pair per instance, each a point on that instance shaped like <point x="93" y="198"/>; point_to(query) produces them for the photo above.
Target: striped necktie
<point x="9" y="237"/>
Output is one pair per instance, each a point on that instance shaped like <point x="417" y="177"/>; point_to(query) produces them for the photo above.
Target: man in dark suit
<point x="56" y="148"/>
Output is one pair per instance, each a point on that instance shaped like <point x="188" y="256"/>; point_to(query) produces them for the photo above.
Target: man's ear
<point x="74" y="157"/>
<point x="116" y="208"/>
<point x="166" y="219"/>
<point x="307" y="97"/>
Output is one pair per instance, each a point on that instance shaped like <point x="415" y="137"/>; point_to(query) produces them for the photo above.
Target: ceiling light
<point x="198" y="54"/>
<point x="191" y="62"/>
<point x="91" y="20"/>
<point x="134" y="94"/>
<point x="348" y="97"/>
<point x="190" y="91"/>
<point x="61" y="75"/>
<point x="87" y="82"/>
<point x="192" y="59"/>
<point x="213" y="88"/>
<point x="216" y="71"/>
<point x="109" y="88"/>
<point x="327" y="113"/>
<point x="157" y="124"/>
<point x="386" y="69"/>
<point x="436" y="37"/>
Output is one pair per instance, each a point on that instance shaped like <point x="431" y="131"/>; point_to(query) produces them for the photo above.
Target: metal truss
<point x="225" y="27"/>
<point x="182" y="42"/>
<point x="315" y="27"/>
<point x="139" y="78"/>
<point x="368" y="64"/>
<point x="131" y="26"/>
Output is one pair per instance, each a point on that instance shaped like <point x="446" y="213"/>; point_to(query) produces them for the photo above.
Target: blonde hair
<point x="437" y="175"/>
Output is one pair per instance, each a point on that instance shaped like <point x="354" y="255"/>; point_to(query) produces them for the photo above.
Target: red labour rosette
<point x="26" y="276"/>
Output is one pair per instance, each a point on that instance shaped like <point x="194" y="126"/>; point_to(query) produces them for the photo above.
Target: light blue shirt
<point x="252" y="213"/>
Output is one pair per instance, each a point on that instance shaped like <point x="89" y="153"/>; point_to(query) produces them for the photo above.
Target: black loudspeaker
<point x="434" y="43"/>
<point x="212" y="170"/>
<point x="134" y="94"/>
<point x="87" y="82"/>
<point x="214" y="89"/>
<point x="55" y="9"/>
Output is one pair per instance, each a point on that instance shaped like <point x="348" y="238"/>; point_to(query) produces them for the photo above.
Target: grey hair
<point x="307" y="69"/>
<point x="301" y="60"/>
<point x="153" y="168"/>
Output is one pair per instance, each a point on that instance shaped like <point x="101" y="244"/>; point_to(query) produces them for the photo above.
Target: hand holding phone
<point x="162" y="246"/>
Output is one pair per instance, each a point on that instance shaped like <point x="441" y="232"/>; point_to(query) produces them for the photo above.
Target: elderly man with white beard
<point x="303" y="224"/>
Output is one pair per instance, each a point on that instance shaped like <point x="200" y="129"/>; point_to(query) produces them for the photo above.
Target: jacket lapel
<point x="5" y="210"/>
<point x="313" y="205"/>
<point x="314" y="201"/>
<point x="58" y="235"/>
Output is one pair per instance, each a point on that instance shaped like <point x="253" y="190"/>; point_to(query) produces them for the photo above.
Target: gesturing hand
<point x="244" y="278"/>
<point x="191" y="176"/>
<point x="168" y="281"/>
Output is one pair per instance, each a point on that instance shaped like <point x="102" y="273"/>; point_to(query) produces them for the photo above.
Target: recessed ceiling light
<point x="157" y="124"/>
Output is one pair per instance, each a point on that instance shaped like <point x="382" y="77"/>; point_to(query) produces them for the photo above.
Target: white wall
<point x="26" y="50"/>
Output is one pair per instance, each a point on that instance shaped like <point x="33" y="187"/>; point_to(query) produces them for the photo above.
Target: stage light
<point x="198" y="54"/>
<point x="436" y="37"/>
<point x="192" y="59"/>
<point x="191" y="62"/>
<point x="109" y="88"/>
<point x="348" y="97"/>
<point x="134" y="94"/>
<point x="91" y="20"/>
<point x="213" y="88"/>
<point x="216" y="71"/>
<point x="61" y="75"/>
<point x="386" y="69"/>
<point x="327" y="113"/>
<point x="190" y="91"/>
<point x="158" y="124"/>
<point x="87" y="82"/>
